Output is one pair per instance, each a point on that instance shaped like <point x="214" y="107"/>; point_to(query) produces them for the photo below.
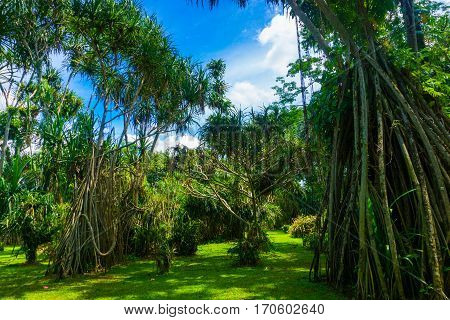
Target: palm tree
<point x="138" y="78"/>
<point x="248" y="159"/>
<point x="100" y="36"/>
<point x="31" y="32"/>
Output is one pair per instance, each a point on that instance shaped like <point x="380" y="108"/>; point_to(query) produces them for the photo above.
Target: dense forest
<point x="353" y="156"/>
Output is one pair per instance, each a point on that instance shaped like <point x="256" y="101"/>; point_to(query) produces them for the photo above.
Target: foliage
<point x="311" y="241"/>
<point x="186" y="235"/>
<point x="252" y="155"/>
<point x="35" y="218"/>
<point x="163" y="250"/>
<point x="249" y="248"/>
<point x="165" y="206"/>
<point x="215" y="221"/>
<point x="302" y="226"/>
<point x="362" y="149"/>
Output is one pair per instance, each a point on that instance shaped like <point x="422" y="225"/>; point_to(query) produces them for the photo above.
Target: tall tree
<point x="139" y="79"/>
<point x="31" y="31"/>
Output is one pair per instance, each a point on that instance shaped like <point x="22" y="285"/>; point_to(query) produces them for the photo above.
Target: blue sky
<point x="256" y="42"/>
<point x="202" y="33"/>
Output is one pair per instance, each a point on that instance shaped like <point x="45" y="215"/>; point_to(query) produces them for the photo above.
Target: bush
<point x="164" y="258"/>
<point x="302" y="226"/>
<point x="2" y="246"/>
<point x="141" y="240"/>
<point x="310" y="241"/>
<point x="162" y="248"/>
<point x="155" y="230"/>
<point x="285" y="228"/>
<point x="248" y="248"/>
<point x="186" y="235"/>
<point x="35" y="218"/>
<point x="216" y="222"/>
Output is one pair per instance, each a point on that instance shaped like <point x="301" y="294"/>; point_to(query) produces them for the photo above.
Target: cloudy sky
<point x="257" y="43"/>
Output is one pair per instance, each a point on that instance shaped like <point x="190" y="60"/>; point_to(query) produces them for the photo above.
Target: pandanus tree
<point x="139" y="79"/>
<point x="247" y="157"/>
<point x="102" y="37"/>
<point x="387" y="216"/>
<point x="30" y="31"/>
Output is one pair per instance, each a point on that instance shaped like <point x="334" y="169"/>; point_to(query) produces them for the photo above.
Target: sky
<point x="256" y="43"/>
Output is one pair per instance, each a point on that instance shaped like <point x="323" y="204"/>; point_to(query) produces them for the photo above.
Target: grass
<point x="210" y="274"/>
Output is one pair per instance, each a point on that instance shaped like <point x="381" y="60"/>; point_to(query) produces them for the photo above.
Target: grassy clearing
<point x="210" y="274"/>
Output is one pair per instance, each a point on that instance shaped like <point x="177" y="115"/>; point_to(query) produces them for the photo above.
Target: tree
<point x="247" y="158"/>
<point x="140" y="79"/>
<point x="30" y="32"/>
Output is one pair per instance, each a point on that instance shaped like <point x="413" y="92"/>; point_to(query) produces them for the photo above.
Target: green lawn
<point x="210" y="274"/>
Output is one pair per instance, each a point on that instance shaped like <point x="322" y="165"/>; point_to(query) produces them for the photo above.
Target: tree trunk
<point x="5" y="141"/>
<point x="323" y="45"/>
<point x="414" y="34"/>
<point x="303" y="93"/>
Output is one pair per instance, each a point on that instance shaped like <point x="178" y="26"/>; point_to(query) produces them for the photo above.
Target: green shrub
<point x="186" y="235"/>
<point x="310" y="241"/>
<point x="302" y="226"/>
<point x="216" y="222"/>
<point x="248" y="248"/>
<point x="164" y="258"/>
<point x="141" y="240"/>
<point x="285" y="228"/>
<point x="2" y="246"/>
<point x="162" y="248"/>
<point x="35" y="218"/>
<point x="162" y="206"/>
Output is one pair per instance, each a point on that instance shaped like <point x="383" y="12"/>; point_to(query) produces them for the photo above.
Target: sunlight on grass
<point x="210" y="274"/>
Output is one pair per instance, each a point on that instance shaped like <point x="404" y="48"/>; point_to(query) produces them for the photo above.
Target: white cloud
<point x="247" y="94"/>
<point x="131" y="137"/>
<point x="189" y="141"/>
<point x="35" y="146"/>
<point x="17" y="75"/>
<point x="168" y="141"/>
<point x="172" y="140"/>
<point x="3" y="100"/>
<point x="281" y="35"/>
<point x="253" y="67"/>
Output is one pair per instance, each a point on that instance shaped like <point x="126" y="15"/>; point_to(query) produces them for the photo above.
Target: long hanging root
<point x="91" y="231"/>
<point x="388" y="209"/>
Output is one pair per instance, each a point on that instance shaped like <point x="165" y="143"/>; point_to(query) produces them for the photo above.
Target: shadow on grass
<point x="282" y="274"/>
